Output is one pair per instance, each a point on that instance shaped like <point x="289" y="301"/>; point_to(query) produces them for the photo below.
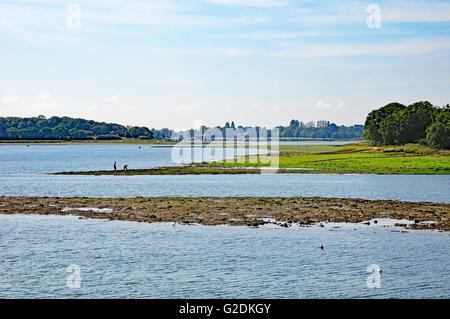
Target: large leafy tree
<point x="390" y="129"/>
<point x="438" y="133"/>
<point x="415" y="120"/>
<point x="419" y="122"/>
<point x="374" y="119"/>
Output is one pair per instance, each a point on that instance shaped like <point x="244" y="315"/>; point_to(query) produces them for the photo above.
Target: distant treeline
<point x="420" y="122"/>
<point x="65" y="128"/>
<point x="321" y="129"/>
<point x="296" y="129"/>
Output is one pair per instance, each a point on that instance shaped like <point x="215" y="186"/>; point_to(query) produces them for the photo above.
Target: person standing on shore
<point x="115" y="166"/>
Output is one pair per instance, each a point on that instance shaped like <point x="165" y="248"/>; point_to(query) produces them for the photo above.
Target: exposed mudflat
<point x="250" y="211"/>
<point x="188" y="170"/>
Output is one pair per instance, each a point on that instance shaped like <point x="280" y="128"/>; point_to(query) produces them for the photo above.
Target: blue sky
<point x="257" y="62"/>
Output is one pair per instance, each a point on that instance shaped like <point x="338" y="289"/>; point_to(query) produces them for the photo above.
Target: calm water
<point x="22" y="173"/>
<point x="127" y="259"/>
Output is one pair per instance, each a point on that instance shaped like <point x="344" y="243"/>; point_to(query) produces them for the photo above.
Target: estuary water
<point x="138" y="260"/>
<point x="23" y="172"/>
<point x="119" y="259"/>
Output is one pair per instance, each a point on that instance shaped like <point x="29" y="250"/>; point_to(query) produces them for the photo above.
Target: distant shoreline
<point x="237" y="211"/>
<point x="112" y="141"/>
<point x="160" y="141"/>
<point x="200" y="170"/>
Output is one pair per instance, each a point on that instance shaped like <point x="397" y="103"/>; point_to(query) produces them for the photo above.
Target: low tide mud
<point x="249" y="211"/>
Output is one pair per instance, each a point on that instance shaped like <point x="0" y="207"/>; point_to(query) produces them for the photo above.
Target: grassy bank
<point x="359" y="158"/>
<point x="354" y="158"/>
<point x="234" y="211"/>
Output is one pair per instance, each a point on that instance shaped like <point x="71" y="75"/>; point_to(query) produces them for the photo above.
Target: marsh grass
<point x="356" y="158"/>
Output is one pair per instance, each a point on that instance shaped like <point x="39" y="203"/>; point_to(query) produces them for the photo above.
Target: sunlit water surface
<point x="23" y="173"/>
<point x="127" y="259"/>
<point x="137" y="260"/>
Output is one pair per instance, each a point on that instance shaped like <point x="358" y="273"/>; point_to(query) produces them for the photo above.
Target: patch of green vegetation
<point x="420" y="122"/>
<point x="358" y="158"/>
<point x="115" y="141"/>
<point x="354" y="158"/>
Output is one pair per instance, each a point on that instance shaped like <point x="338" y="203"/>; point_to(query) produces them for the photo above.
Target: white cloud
<point x="411" y="11"/>
<point x="322" y="105"/>
<point x="93" y="107"/>
<point x="112" y="98"/>
<point x="325" y="106"/>
<point x="281" y="35"/>
<point x="10" y="99"/>
<point x="128" y="108"/>
<point x="313" y="50"/>
<point x="416" y="46"/>
<point x="185" y="107"/>
<point x="42" y="97"/>
<point x="45" y="107"/>
<point x="393" y="12"/>
<point x="250" y="3"/>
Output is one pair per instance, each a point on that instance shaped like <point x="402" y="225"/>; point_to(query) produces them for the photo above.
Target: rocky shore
<point x="249" y="211"/>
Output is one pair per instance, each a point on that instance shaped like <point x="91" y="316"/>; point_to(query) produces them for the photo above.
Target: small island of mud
<point x="249" y="211"/>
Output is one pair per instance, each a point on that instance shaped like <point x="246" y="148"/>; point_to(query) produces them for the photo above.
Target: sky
<point x="179" y="63"/>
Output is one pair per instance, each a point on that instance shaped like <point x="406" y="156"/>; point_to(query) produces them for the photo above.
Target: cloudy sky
<point x="257" y="62"/>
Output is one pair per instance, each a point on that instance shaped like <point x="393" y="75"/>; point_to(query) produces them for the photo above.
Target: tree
<point x="60" y="132"/>
<point x="3" y="134"/>
<point x="12" y="133"/>
<point x="46" y="133"/>
<point x="28" y="134"/>
<point x="143" y="132"/>
<point x="374" y="119"/>
<point x="66" y="128"/>
<point x="416" y="118"/>
<point x="419" y="122"/>
<point x="390" y="129"/>
<point x="438" y="133"/>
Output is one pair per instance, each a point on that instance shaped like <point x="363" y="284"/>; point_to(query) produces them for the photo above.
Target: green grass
<point x="356" y="158"/>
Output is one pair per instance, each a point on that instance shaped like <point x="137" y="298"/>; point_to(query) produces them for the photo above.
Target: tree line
<point x="420" y="122"/>
<point x="66" y="128"/>
<point x="296" y="129"/>
<point x="321" y="129"/>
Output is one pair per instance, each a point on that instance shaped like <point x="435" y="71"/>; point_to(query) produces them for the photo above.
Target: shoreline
<point x="162" y="141"/>
<point x="229" y="170"/>
<point x="131" y="141"/>
<point x="236" y="211"/>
